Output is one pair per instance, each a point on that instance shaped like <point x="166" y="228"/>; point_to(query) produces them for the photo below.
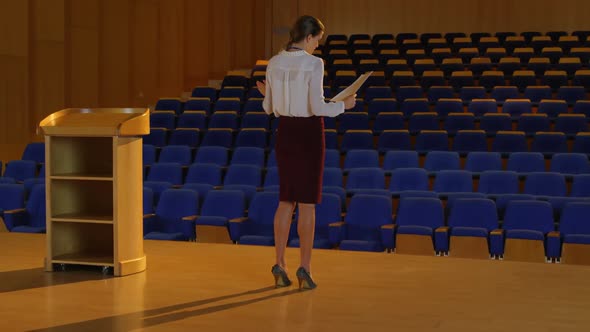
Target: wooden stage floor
<point x="201" y="287"/>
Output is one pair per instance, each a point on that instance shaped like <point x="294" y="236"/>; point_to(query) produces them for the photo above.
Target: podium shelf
<point x="84" y="259"/>
<point x="82" y="177"/>
<point x="83" y="218"/>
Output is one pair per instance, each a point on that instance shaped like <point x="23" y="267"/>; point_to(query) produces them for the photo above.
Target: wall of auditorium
<point x="109" y="53"/>
<point x="394" y="16"/>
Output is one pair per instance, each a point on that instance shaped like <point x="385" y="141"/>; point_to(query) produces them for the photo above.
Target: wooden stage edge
<point x="208" y="287"/>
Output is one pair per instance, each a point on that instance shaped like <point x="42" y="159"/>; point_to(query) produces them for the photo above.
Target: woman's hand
<point x="261" y="86"/>
<point x="349" y="102"/>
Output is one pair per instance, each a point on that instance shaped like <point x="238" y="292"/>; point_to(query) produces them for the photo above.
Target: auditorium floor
<point x="200" y="287"/>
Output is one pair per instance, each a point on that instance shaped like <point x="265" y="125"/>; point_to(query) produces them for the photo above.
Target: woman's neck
<point x="296" y="47"/>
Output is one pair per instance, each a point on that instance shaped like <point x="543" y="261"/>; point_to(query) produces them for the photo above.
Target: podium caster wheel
<point x="106" y="270"/>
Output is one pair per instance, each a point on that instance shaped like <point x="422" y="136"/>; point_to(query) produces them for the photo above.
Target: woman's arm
<point x="316" y="94"/>
<point x="264" y="88"/>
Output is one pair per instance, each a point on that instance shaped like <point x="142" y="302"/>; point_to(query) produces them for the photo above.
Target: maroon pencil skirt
<point x="300" y="150"/>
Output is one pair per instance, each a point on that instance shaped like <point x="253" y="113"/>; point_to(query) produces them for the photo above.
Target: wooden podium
<point x="93" y="165"/>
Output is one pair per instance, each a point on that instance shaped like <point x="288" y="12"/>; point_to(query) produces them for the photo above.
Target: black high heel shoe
<point x="281" y="278"/>
<point x="305" y="281"/>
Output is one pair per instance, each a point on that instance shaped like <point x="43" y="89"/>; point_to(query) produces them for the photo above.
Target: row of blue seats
<point x="522" y="162"/>
<point x="418" y="117"/>
<point x="571" y="96"/>
<point x="409" y="100"/>
<point x="446" y="59"/>
<point x="464" y="141"/>
<point x="402" y="87"/>
<point x="450" y="36"/>
<point x="367" y="59"/>
<point x="369" y="224"/>
<point x="358" y="41"/>
<point x="250" y="179"/>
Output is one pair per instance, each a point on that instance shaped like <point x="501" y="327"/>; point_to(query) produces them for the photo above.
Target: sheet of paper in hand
<point x="353" y="88"/>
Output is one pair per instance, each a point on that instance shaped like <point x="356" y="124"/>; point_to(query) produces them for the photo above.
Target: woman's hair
<point x="304" y="26"/>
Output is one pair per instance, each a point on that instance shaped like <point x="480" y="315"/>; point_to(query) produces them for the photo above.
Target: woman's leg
<point x="282" y="224"/>
<point x="306" y="229"/>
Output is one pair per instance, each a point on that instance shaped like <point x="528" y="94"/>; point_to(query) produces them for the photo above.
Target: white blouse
<point x="294" y="86"/>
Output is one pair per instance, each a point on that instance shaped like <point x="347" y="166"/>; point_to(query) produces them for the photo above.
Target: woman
<point x="294" y="92"/>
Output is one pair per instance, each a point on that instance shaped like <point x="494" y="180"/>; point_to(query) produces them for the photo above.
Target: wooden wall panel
<point x="144" y="59"/>
<point x="242" y="33"/>
<point x="83" y="50"/>
<point x="48" y="91"/>
<point x="62" y="53"/>
<point x="197" y="31"/>
<point x="394" y="16"/>
<point x="115" y="53"/>
<point x="284" y="13"/>
<point x="171" y="48"/>
<point x="219" y="39"/>
<point x="14" y="69"/>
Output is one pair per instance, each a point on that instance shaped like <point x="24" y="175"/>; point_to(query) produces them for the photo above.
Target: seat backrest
<point x="474" y="212"/>
<point x="470" y="141"/>
<point x="186" y="137"/>
<point x="361" y="158"/>
<point x="426" y="212"/>
<point x="261" y="213"/>
<point x="545" y="184"/>
<point x="453" y="181"/>
<point x="498" y="182"/>
<point x="174" y="204"/>
<point x="148" y="200"/>
<point x="165" y="120"/>
<point x="529" y="215"/>
<point x="510" y="141"/>
<point x="175" y="154"/>
<point x="581" y="186"/>
<point x="34" y="152"/>
<point x="441" y="160"/>
<point x="204" y="173"/>
<point x="36" y="206"/>
<point x="248" y="156"/>
<point x="366" y="214"/>
<point x="570" y="163"/>
<point x="366" y="178"/>
<point x="252" y="137"/>
<point x="526" y="162"/>
<point x="357" y="139"/>
<point x="400" y="159"/>
<point x="243" y="175"/>
<point x="394" y="140"/>
<point x="574" y="219"/>
<point x="220" y="137"/>
<point x="224" y="203"/>
<point x="20" y="170"/>
<point x="480" y="107"/>
<point x="332" y="176"/>
<point x="549" y="142"/>
<point x="12" y="196"/>
<point x="403" y="179"/>
<point x="327" y="212"/>
<point x="483" y="161"/>
<point x="212" y="154"/>
<point x="168" y="172"/>
<point x="432" y="140"/>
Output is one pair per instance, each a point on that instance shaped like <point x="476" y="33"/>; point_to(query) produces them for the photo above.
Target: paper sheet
<point x="353" y="88"/>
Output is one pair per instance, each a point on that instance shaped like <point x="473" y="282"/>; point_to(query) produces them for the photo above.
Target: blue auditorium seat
<point x="174" y="218"/>
<point x="362" y="227"/>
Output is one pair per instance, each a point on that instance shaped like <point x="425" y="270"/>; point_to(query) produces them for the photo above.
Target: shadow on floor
<point x="168" y="314"/>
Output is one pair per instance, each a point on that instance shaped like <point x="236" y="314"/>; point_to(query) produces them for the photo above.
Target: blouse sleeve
<point x="316" y="94"/>
<point x="267" y="102"/>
